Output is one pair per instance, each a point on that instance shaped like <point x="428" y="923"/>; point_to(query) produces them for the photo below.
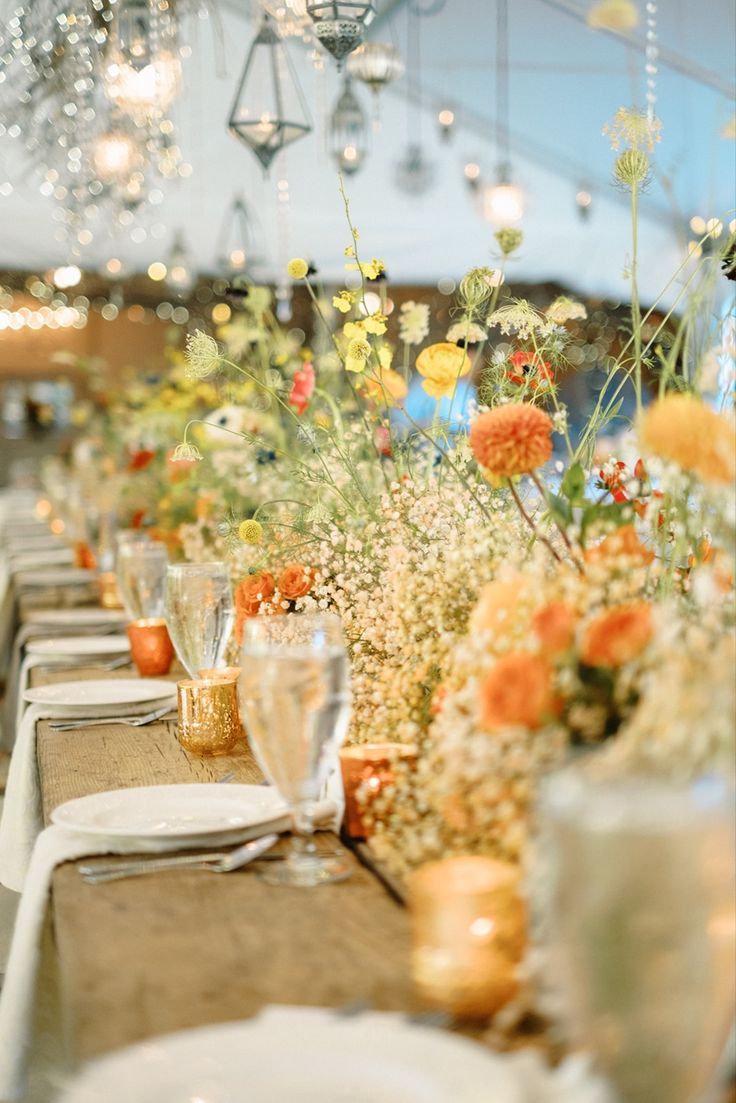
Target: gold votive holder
<point x="468" y="934"/>
<point x="151" y="648"/>
<point x="225" y="674"/>
<point x="367" y="771"/>
<point x="108" y="589"/>
<point x="208" y="716"/>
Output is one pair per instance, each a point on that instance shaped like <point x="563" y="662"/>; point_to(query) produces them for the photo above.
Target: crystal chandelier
<point x="339" y="25"/>
<point x="268" y="112"/>
<point x="348" y="131"/>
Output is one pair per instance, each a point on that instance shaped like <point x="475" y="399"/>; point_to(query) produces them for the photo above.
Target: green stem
<point x="635" y="307"/>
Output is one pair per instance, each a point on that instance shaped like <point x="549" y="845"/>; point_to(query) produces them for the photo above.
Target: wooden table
<point x="167" y="951"/>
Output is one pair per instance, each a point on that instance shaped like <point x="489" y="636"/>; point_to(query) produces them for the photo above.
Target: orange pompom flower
<point x="617" y="635"/>
<point x="295" y="581"/>
<point x="623" y="543"/>
<point x="681" y="428"/>
<point x="554" y="627"/>
<point x="500" y="604"/>
<point x="249" y="596"/>
<point x="442" y="365"/>
<point x="518" y="691"/>
<point x="511" y="440"/>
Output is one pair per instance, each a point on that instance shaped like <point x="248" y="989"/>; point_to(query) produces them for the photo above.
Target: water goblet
<point x="295" y="702"/>
<point x="640" y="921"/>
<point x="200" y="613"/>
<point x="141" y="575"/>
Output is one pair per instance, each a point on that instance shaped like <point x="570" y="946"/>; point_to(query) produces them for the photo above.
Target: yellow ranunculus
<point x="442" y="365"/>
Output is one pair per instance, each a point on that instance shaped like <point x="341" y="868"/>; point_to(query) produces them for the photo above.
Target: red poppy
<point x="140" y="460"/>
<point x="528" y="369"/>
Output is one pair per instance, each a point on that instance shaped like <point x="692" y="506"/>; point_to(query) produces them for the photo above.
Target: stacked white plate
<point x="54" y="576"/>
<point x="79" y="647"/>
<point x="84" y="617"/>
<point x="104" y="697"/>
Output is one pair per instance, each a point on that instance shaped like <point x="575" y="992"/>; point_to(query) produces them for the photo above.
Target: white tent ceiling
<point x="566" y="82"/>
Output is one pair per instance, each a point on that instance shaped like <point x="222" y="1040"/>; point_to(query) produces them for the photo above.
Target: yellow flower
<point x="613" y="15"/>
<point x="353" y="330"/>
<point x="386" y="386"/>
<point x="297" y="268"/>
<point x="442" y="365"/>
<point x="349" y="250"/>
<point x="250" y="531"/>
<point x="359" y="351"/>
<point x="681" y="428"/>
<point x="371" y="269"/>
<point x="376" y="323"/>
<point x="343" y="302"/>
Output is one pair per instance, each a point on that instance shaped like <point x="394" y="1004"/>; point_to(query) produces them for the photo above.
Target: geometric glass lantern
<point x="235" y="244"/>
<point x="268" y="111"/>
<point x="348" y="131"/>
<point x="181" y="275"/>
<point x="339" y="24"/>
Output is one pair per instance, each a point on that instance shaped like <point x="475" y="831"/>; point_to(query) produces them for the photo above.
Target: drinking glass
<point x="199" y="612"/>
<point x="141" y="575"/>
<point x="295" y="702"/>
<point x="640" y="924"/>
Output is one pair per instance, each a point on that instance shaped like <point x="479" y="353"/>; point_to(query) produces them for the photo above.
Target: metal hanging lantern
<point x="269" y="111"/>
<point x="235" y="247"/>
<point x="414" y="172"/>
<point x="375" y="64"/>
<point x="181" y="275"/>
<point x="339" y="25"/>
<point x="348" y="131"/>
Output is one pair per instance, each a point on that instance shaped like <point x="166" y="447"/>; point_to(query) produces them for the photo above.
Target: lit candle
<point x="468" y="934"/>
<point x="367" y="770"/>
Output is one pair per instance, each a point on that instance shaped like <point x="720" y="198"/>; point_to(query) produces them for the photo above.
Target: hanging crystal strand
<point x="283" y="204"/>
<point x="652" y="56"/>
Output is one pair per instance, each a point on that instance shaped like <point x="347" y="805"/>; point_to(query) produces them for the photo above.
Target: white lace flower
<point x="413" y="322"/>
<point x="564" y="310"/>
<point x="469" y="332"/>
<point x="186" y="451"/>
<point x="202" y="355"/>
<point x="520" y="317"/>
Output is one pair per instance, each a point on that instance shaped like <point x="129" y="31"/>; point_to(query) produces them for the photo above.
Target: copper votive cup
<point x="208" y="716"/>
<point x="150" y="647"/>
<point x="367" y="769"/>
<point x="468" y="934"/>
<point x="225" y="674"/>
<point x="109" y="593"/>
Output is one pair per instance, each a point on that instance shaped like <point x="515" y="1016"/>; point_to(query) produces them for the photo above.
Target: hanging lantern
<point x="181" y="275"/>
<point x="268" y="112"/>
<point x="376" y="64"/>
<point x="446" y="121"/>
<point x="142" y="74"/>
<point x="235" y="246"/>
<point x="348" y="139"/>
<point x="339" y="25"/>
<point x="502" y="203"/>
<point x="414" y="173"/>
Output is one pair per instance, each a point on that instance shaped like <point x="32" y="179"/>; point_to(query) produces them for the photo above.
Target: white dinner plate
<point x="301" y="1055"/>
<point x="91" y="617"/>
<point x="166" y="811"/>
<point x="104" y="696"/>
<point x="57" y="576"/>
<point x="79" y="646"/>
<point x="48" y="557"/>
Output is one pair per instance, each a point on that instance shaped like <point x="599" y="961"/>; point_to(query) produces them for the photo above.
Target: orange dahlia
<point x="617" y="635"/>
<point x="518" y="690"/>
<point x="681" y="428"/>
<point x="512" y="440"/>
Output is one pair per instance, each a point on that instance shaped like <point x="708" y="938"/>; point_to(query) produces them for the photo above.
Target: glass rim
<point x="263" y="629"/>
<point x="142" y="547"/>
<point x="633" y="801"/>
<point x="193" y="568"/>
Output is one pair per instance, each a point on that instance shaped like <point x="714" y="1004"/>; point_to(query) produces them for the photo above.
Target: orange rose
<point x="554" y="627"/>
<point x="518" y="691"/>
<point x="249" y="596"/>
<point x="295" y="581"/>
<point x="622" y="543"/>
<point x="499" y="605"/>
<point x="617" y="635"/>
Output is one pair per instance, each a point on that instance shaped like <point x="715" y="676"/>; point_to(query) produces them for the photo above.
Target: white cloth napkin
<point x="53" y="846"/>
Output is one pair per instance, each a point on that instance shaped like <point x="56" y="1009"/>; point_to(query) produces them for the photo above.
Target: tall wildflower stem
<point x="635" y="306"/>
<point x="566" y="539"/>
<point x="531" y="523"/>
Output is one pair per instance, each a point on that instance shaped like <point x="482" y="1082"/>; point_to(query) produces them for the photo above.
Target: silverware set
<point x="225" y="862"/>
<point x="112" y="664"/>
<point x="99" y="721"/>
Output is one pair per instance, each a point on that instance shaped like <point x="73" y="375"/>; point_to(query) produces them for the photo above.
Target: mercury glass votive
<point x="367" y="770"/>
<point x="468" y="934"/>
<point x="108" y="588"/>
<point x="150" y="646"/>
<point x="224" y="674"/>
<point x="208" y="716"/>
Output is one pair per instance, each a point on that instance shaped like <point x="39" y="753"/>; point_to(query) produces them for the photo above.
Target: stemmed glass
<point x="295" y="701"/>
<point x="141" y="576"/>
<point x="199" y="612"/>
<point x="641" y="918"/>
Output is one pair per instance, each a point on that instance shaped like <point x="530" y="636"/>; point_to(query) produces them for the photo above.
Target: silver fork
<point x="133" y="721"/>
<point x="215" y="863"/>
<point x="112" y="664"/>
